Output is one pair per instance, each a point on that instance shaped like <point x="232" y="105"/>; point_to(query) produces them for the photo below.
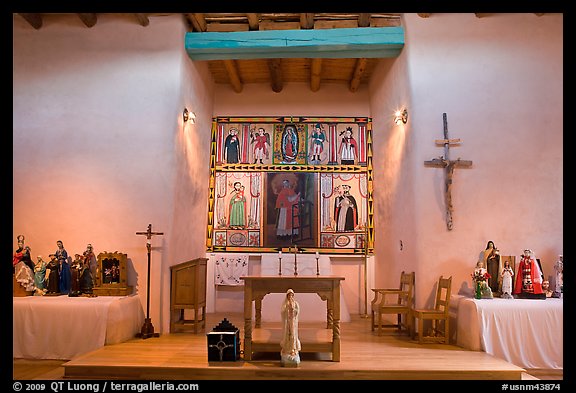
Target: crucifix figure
<point x="449" y="166"/>
<point x="148" y="329"/>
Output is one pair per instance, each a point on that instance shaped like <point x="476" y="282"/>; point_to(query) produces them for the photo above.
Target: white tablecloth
<point x="62" y="327"/>
<point x="312" y="308"/>
<point x="526" y="333"/>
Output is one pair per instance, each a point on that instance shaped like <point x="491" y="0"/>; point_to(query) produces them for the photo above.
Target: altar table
<point x="327" y="287"/>
<point x="63" y="327"/>
<point x="525" y="332"/>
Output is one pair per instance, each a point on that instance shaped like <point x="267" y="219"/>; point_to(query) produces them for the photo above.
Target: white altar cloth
<point x="526" y="333"/>
<point x="62" y="327"/>
<point x="312" y="308"/>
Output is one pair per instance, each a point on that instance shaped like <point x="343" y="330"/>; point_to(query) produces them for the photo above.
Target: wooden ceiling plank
<point x="315" y="74"/>
<point x="88" y="19"/>
<point x="336" y="24"/>
<point x="275" y="67"/>
<point x="142" y="19"/>
<point x="253" y="21"/>
<point x="358" y="71"/>
<point x="34" y="20"/>
<point x="332" y="43"/>
<point x="233" y="75"/>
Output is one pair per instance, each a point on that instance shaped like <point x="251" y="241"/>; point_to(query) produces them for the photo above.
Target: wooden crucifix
<point x="449" y="166"/>
<point x="147" y="328"/>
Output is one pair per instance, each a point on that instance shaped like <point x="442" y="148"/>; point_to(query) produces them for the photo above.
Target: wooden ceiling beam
<point x="358" y="72"/>
<point x="375" y="42"/>
<point x="88" y="19"/>
<point x="307" y="21"/>
<point x="364" y="20"/>
<point x="253" y="21"/>
<point x="275" y="67"/>
<point x="34" y="20"/>
<point x="198" y="22"/>
<point x="142" y="19"/>
<point x="315" y="73"/>
<point x="233" y="75"/>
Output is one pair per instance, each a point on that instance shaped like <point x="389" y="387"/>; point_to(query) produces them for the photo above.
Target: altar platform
<point x="364" y="356"/>
<point x="63" y="327"/>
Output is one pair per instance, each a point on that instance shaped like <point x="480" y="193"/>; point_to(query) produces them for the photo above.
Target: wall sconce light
<point x="401" y="117"/>
<point x="188" y="116"/>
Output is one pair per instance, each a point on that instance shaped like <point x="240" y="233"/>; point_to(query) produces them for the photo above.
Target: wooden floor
<point x="364" y="356"/>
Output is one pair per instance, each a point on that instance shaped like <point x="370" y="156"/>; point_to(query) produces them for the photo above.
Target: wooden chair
<point x="394" y="301"/>
<point x="438" y="316"/>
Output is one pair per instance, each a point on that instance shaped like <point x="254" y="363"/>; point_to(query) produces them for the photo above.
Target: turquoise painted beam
<point x="366" y="42"/>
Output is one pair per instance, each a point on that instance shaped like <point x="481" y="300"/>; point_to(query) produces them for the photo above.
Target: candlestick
<point x="279" y="263"/>
<point x="295" y="262"/>
<point x="317" y="266"/>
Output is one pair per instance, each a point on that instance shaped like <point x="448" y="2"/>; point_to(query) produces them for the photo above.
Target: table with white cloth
<point x="315" y="307"/>
<point x="63" y="327"/>
<point x="525" y="332"/>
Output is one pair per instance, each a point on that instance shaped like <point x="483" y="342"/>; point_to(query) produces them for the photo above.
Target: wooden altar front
<point x="327" y="287"/>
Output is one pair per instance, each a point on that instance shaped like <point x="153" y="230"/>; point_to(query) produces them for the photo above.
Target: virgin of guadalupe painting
<point x="290" y="143"/>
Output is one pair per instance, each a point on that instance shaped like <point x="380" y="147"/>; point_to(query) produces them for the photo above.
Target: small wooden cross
<point x="448" y="165"/>
<point x="149" y="235"/>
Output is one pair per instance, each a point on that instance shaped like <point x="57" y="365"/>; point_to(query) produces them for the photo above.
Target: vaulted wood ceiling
<point x="350" y="72"/>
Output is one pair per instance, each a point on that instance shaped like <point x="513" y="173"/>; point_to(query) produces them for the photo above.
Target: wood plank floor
<point x="364" y="356"/>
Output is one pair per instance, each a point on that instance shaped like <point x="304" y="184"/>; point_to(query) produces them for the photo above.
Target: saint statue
<point x="506" y="276"/>
<point x="290" y="344"/>
<point x="529" y="278"/>
<point x="559" y="281"/>
<point x="491" y="259"/>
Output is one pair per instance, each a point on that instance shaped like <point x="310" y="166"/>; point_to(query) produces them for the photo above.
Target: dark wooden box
<point x="223" y="343"/>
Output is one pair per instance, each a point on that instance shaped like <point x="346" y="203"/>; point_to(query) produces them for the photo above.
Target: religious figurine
<point x="19" y="253"/>
<point x="75" y="270"/>
<point x="480" y="278"/>
<point x="491" y="259"/>
<point x="559" y="281"/>
<point x="290" y="343"/>
<point x="53" y="276"/>
<point x="529" y="278"/>
<point x="24" y="274"/>
<point x="546" y="288"/>
<point x="26" y="257"/>
<point x="64" y="268"/>
<point x="40" y="275"/>
<point x="90" y="262"/>
<point x="507" y="274"/>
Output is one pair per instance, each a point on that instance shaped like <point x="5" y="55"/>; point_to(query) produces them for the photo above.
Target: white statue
<point x="507" y="274"/>
<point x="290" y="344"/>
<point x="559" y="282"/>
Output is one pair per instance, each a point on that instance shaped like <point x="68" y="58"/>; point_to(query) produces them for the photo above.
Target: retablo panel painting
<point x="282" y="181"/>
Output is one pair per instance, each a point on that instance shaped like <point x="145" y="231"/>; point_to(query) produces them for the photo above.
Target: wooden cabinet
<point x="188" y="292"/>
